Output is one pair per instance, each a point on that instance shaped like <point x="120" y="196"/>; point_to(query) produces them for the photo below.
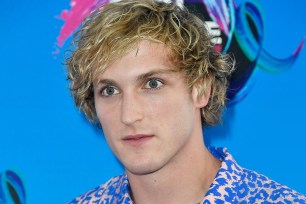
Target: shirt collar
<point x="227" y="181"/>
<point x="224" y="187"/>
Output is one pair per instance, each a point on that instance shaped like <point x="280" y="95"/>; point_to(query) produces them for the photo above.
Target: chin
<point x="142" y="168"/>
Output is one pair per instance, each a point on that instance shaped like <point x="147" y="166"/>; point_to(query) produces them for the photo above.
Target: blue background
<point x="59" y="155"/>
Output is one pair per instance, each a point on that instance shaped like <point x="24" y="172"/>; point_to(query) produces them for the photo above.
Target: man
<point x="146" y="71"/>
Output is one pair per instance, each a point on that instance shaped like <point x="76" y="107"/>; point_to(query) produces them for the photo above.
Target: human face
<point x="146" y="111"/>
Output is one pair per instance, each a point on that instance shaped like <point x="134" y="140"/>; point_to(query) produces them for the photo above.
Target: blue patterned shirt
<point x="232" y="184"/>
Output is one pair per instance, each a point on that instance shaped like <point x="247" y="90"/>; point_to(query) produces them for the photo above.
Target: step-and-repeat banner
<point x="49" y="153"/>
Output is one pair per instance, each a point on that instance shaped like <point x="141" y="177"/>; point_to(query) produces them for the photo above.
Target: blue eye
<point x="109" y="91"/>
<point x="153" y="84"/>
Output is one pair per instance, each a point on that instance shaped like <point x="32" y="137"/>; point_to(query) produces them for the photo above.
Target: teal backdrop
<point x="49" y="153"/>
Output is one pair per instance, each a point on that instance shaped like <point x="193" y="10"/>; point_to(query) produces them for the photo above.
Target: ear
<point x="201" y="93"/>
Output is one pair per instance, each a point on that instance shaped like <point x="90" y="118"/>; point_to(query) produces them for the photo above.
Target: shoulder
<point x="236" y="184"/>
<point x="257" y="188"/>
<point x="114" y="189"/>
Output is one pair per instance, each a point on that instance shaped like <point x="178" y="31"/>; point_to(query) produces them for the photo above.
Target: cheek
<point x="159" y="107"/>
<point x="107" y="114"/>
<point x="109" y="124"/>
<point x="171" y="111"/>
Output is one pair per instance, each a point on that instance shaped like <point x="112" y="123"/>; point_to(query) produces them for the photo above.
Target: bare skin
<point x="182" y="183"/>
<point x="152" y="123"/>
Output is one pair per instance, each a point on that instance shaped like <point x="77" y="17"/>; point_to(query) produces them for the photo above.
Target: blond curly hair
<point x="115" y="28"/>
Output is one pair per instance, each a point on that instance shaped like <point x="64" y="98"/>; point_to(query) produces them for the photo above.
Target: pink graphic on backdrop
<point x="80" y="9"/>
<point x="230" y="19"/>
<point x="219" y="12"/>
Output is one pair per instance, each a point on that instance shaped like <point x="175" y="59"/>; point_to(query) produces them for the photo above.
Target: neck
<point x="186" y="179"/>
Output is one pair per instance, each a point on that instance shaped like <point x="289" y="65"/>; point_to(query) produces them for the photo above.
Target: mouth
<point x="137" y="140"/>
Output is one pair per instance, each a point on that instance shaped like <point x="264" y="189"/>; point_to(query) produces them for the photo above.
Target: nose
<point x="131" y="109"/>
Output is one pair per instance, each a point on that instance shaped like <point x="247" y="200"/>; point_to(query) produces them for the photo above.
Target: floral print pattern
<point x="232" y="184"/>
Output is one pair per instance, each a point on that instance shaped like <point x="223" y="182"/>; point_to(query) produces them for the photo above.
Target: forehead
<point x="145" y="57"/>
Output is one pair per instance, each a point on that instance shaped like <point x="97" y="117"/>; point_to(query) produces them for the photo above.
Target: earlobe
<point x="201" y="93"/>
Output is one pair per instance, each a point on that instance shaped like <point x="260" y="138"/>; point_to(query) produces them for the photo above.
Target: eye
<point x="153" y="84"/>
<point x="109" y="91"/>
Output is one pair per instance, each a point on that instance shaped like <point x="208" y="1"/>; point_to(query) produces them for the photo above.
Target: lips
<point x="137" y="140"/>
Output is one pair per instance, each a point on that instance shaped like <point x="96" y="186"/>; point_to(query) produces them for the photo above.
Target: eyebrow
<point x="144" y="76"/>
<point x="139" y="78"/>
<point x="107" y="81"/>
